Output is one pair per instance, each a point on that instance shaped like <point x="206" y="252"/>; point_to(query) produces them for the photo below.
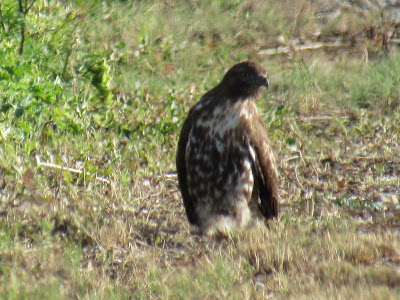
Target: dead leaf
<point x="341" y="184"/>
<point x="169" y="68"/>
<point x="28" y="179"/>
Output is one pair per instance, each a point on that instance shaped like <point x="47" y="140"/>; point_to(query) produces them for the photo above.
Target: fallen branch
<point x="313" y="46"/>
<point x="72" y="170"/>
<point x="293" y="48"/>
<point x="318" y="118"/>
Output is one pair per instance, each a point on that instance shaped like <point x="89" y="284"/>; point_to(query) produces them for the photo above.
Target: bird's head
<point x="244" y="80"/>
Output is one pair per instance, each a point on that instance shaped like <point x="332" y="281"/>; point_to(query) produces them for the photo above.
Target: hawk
<point x="226" y="169"/>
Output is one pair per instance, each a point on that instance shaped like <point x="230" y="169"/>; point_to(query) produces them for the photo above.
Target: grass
<point x="104" y="86"/>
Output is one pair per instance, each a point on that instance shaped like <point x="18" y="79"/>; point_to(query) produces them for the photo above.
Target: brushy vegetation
<point x="93" y="95"/>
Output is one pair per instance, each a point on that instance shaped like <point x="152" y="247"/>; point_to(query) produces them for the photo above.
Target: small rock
<point x="387" y="199"/>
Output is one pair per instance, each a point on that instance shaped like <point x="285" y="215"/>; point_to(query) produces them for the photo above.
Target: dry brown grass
<point x="105" y="246"/>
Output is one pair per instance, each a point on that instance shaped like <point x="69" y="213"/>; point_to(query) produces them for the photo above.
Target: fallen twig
<point x="313" y="46"/>
<point x="72" y="170"/>
<point x="290" y="158"/>
<point x="394" y="41"/>
<point x="293" y="48"/>
<point x="318" y="118"/>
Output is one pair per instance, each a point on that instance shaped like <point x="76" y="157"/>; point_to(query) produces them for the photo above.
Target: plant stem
<point x="1" y="20"/>
<point x="24" y="9"/>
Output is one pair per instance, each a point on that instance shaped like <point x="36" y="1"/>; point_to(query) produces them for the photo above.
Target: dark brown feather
<point x="265" y="172"/>
<point x="181" y="169"/>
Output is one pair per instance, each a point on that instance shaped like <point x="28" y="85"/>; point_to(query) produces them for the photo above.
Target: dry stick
<point x="318" y="118"/>
<point x="292" y="48"/>
<point x="290" y="158"/>
<point x="72" y="170"/>
<point x="287" y="49"/>
<point x="297" y="178"/>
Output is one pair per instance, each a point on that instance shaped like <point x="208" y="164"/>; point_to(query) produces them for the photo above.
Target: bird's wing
<point x="182" y="171"/>
<point x="264" y="169"/>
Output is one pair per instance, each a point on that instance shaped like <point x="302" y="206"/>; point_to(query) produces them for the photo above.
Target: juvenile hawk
<point x="226" y="168"/>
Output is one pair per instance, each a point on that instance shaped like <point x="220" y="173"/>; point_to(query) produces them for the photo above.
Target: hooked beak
<point x="264" y="81"/>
